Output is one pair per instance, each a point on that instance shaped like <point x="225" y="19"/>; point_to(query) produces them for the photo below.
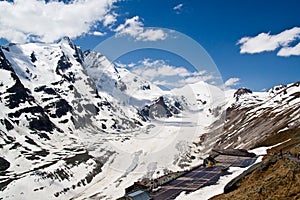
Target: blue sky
<point x="217" y="25"/>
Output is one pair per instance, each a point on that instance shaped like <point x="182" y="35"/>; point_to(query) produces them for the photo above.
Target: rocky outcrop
<point x="247" y="124"/>
<point x="277" y="89"/>
<point x="4" y="164"/>
<point x="160" y="108"/>
<point x="235" y="152"/>
<point x="241" y="92"/>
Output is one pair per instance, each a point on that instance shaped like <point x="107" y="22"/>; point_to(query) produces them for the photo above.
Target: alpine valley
<point x="75" y="126"/>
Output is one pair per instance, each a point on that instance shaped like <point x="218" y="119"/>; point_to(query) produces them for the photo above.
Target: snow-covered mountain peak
<point x="101" y="70"/>
<point x="120" y="83"/>
<point x="67" y="41"/>
<point x="36" y="62"/>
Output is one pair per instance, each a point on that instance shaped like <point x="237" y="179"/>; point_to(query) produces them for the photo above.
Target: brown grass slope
<point x="277" y="176"/>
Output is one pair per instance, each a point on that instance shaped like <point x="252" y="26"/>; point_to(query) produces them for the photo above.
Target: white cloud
<point x="178" y="8"/>
<point x="195" y="79"/>
<point x="184" y="81"/>
<point x="131" y="27"/>
<point x="266" y="42"/>
<point x="232" y="82"/>
<point x="152" y="35"/>
<point x="162" y="82"/>
<point x="22" y="20"/>
<point x="199" y="73"/>
<point x="123" y="65"/>
<point x="135" y="28"/>
<point x="98" y="33"/>
<point x="109" y="19"/>
<point x="159" y="68"/>
<point x="130" y="65"/>
<point x="290" y="51"/>
<point x="120" y="65"/>
<point x="161" y="73"/>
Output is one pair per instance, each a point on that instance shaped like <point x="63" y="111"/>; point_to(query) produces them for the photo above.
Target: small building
<point x="138" y="195"/>
<point x="209" y="161"/>
<point x="140" y="185"/>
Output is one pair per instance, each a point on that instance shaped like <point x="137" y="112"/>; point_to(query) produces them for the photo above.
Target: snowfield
<point x="148" y="153"/>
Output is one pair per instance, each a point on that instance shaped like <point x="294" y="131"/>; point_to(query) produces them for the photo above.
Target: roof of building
<point x="139" y="195"/>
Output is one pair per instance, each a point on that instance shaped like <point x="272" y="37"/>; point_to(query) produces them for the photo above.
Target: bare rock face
<point x="4" y="164"/>
<point x="277" y="89"/>
<point x="242" y="91"/>
<point x="161" y="107"/>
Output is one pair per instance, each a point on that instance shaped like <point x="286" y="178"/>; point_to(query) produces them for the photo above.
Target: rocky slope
<point x="253" y="117"/>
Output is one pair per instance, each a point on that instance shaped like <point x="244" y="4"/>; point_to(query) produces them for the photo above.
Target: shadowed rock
<point x="4" y="164"/>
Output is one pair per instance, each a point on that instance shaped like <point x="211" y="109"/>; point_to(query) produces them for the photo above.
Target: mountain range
<point x="73" y="125"/>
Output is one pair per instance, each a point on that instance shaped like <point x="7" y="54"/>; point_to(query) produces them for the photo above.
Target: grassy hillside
<point x="277" y="176"/>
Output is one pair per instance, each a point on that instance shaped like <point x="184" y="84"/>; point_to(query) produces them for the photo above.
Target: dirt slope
<point x="277" y="176"/>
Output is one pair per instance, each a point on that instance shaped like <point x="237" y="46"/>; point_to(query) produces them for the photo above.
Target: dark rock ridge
<point x="242" y="91"/>
<point x="235" y="152"/>
<point x="160" y="108"/>
<point x="277" y="89"/>
<point x="4" y="164"/>
<point x="16" y="96"/>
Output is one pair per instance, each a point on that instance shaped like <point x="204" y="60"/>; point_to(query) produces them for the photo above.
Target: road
<point x="200" y="177"/>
